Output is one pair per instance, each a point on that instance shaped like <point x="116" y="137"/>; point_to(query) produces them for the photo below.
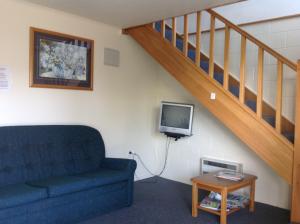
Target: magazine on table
<point x="230" y="175"/>
<point x="213" y="201"/>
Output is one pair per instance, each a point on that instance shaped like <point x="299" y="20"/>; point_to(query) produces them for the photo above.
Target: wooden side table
<point x="210" y="182"/>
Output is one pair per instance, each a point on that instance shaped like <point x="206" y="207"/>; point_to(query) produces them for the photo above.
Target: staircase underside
<point x="269" y="145"/>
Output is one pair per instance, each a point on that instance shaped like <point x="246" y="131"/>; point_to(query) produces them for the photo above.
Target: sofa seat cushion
<point x="63" y="185"/>
<point x="18" y="194"/>
<point x="105" y="176"/>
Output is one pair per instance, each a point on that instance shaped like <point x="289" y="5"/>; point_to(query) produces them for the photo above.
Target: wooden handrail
<point x="266" y="48"/>
<point x="252" y="23"/>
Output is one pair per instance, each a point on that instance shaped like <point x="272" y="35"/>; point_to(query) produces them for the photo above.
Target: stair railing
<point x="281" y="60"/>
<point x="245" y="36"/>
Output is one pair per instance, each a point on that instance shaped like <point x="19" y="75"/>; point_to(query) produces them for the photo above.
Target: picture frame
<point x="60" y="61"/>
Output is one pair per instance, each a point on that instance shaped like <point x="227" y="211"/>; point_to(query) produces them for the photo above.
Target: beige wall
<point x="124" y="104"/>
<point x="121" y="105"/>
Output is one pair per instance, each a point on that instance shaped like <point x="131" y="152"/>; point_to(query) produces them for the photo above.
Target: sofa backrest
<point x="37" y="152"/>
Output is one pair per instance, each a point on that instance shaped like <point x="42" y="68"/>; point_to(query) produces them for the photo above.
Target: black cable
<point x="168" y="141"/>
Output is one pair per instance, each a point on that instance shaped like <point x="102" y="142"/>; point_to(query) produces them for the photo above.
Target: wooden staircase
<point x="259" y="125"/>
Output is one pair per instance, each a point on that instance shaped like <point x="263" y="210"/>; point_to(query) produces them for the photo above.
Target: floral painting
<point x="60" y="61"/>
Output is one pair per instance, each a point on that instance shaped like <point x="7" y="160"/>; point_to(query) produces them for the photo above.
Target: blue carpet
<point x="166" y="201"/>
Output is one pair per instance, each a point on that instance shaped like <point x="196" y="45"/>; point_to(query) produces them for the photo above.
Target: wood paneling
<point x="259" y="136"/>
<point x="295" y="210"/>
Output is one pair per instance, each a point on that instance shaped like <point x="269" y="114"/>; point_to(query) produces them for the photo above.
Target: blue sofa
<point x="59" y="174"/>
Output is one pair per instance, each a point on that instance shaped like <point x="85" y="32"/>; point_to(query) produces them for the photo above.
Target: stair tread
<point x="179" y="44"/>
<point x="251" y="104"/>
<point x="168" y="35"/>
<point x="270" y="119"/>
<point x="192" y="54"/>
<point x="234" y="90"/>
<point x="219" y="77"/>
<point x="290" y="136"/>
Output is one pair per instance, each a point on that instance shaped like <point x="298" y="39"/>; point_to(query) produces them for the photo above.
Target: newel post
<point x="295" y="209"/>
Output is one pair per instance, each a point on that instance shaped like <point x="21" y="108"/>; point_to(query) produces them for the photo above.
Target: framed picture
<point x="60" y="61"/>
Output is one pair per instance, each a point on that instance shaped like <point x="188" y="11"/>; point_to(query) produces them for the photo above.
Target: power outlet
<point x="212" y="96"/>
<point x="131" y="152"/>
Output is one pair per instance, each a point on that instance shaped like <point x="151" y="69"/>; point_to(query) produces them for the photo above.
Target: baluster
<point x="211" y="46"/>
<point x="162" y="28"/>
<point x="260" y="82"/>
<point x="279" y="96"/>
<point x="242" y="69"/>
<point x="226" y="56"/>
<point x="174" y="31"/>
<point x="186" y="35"/>
<point x="198" y="39"/>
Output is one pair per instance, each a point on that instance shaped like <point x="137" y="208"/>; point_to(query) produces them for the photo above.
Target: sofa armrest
<point x="119" y="164"/>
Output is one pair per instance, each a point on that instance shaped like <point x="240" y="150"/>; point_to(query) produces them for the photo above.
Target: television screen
<point x="176" y="118"/>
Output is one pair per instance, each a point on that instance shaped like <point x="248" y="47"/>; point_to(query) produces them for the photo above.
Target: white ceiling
<point x="128" y="13"/>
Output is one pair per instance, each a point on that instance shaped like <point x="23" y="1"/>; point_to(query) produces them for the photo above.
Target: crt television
<point x="176" y="118"/>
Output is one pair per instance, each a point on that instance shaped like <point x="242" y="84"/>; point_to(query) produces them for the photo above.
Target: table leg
<point x="195" y="200"/>
<point x="252" y="196"/>
<point x="224" y="207"/>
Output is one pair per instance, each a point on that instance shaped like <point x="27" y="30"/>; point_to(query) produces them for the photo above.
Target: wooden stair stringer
<point x="266" y="143"/>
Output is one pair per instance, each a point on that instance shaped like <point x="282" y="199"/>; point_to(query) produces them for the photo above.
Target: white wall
<point x="212" y="139"/>
<point x="244" y="12"/>
<point x="121" y="105"/>
<point x="124" y="104"/>
<point x="255" y="10"/>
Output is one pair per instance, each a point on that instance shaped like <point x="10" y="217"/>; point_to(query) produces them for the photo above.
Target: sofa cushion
<point x="105" y="176"/>
<point x="18" y="194"/>
<point x="63" y="185"/>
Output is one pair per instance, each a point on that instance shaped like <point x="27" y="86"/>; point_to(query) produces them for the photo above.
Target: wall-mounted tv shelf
<point x="176" y="136"/>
